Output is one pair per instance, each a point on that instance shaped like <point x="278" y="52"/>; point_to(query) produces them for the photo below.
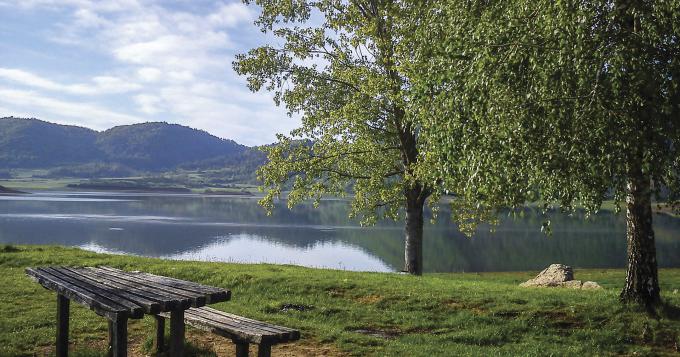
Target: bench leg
<point x="118" y="336"/>
<point x="158" y="342"/>
<point x="177" y="333"/>
<point x="62" y="325"/>
<point x="241" y="348"/>
<point x="264" y="350"/>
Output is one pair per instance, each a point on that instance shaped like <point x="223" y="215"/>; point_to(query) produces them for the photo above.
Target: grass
<point x="363" y="313"/>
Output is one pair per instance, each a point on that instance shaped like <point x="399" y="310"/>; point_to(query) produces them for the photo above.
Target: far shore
<point x="4" y="191"/>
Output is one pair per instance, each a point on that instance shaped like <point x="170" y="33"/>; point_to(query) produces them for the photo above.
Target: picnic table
<point x="119" y="295"/>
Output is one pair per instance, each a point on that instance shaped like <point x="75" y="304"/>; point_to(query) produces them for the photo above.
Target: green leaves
<point x="549" y="99"/>
<point x="336" y="67"/>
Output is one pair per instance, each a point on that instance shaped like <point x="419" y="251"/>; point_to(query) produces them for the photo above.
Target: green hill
<point x="146" y="147"/>
<point x="32" y="143"/>
<point x="156" y="146"/>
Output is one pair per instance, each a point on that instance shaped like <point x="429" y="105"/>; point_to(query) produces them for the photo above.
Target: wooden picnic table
<point x="119" y="295"/>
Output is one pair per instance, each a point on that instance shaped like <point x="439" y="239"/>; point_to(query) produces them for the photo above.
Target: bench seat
<point x="242" y="331"/>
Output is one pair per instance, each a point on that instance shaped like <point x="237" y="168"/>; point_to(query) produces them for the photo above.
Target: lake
<point x="236" y="229"/>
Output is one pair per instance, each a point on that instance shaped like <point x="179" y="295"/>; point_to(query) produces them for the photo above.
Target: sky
<point x="103" y="63"/>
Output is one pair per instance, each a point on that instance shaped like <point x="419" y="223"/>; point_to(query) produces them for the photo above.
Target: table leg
<point x="177" y="333"/>
<point x="118" y="335"/>
<point x="264" y="350"/>
<point x="241" y="348"/>
<point x="159" y="341"/>
<point x="62" y="325"/>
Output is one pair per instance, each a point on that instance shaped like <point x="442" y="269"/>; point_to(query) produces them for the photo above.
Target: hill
<point x="146" y="147"/>
<point x="157" y="146"/>
<point x="32" y="143"/>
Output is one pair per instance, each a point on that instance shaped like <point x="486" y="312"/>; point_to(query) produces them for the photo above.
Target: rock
<point x="560" y="275"/>
<point x="572" y="284"/>
<point x="552" y="276"/>
<point x="591" y="285"/>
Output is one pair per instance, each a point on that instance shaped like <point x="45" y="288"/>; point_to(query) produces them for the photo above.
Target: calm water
<point x="236" y="229"/>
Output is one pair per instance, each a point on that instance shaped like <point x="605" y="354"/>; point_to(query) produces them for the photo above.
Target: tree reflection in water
<point x="237" y="229"/>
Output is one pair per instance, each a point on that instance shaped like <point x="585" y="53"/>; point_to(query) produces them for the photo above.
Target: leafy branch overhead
<point x="337" y="68"/>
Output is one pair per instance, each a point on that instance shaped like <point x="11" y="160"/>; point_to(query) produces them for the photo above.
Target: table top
<point x="112" y="292"/>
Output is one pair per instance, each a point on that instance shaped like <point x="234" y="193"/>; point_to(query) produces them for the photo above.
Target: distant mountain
<point x="32" y="143"/>
<point x="153" y="147"/>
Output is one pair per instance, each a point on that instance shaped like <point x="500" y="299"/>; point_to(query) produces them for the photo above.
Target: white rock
<point x="591" y="285"/>
<point x="553" y="275"/>
<point x="572" y="284"/>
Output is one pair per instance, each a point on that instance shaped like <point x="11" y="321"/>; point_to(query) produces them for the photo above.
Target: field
<point x="351" y="313"/>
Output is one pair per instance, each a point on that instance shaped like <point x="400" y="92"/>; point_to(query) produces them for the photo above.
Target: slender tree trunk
<point x="413" y="252"/>
<point x="642" y="279"/>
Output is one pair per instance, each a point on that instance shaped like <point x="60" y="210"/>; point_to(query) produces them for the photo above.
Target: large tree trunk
<point x="642" y="279"/>
<point x="413" y="252"/>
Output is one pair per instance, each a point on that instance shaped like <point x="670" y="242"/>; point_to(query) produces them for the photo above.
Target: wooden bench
<point x="119" y="295"/>
<point x="242" y="331"/>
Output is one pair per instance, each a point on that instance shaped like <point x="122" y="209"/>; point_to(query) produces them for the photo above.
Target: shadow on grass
<point x="190" y="349"/>
<point x="669" y="311"/>
<point x="8" y="248"/>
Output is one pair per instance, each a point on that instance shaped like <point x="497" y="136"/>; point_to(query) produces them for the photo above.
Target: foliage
<point x="551" y="100"/>
<point x="338" y="70"/>
<point x="461" y="314"/>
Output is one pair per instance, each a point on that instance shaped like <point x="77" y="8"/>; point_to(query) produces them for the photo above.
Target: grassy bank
<point x="361" y="313"/>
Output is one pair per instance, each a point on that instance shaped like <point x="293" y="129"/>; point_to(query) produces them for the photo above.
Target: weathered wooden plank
<point x="154" y="303"/>
<point x="239" y="322"/>
<point x="219" y="329"/>
<point x="166" y="279"/>
<point x="250" y="333"/>
<point x="212" y="294"/>
<point x="135" y="309"/>
<point x="231" y="325"/>
<point x="235" y="330"/>
<point x="238" y="327"/>
<point x="293" y="334"/>
<point x="217" y="293"/>
<point x="169" y="301"/>
<point x="196" y="299"/>
<point x="177" y="333"/>
<point x="96" y="303"/>
<point x="62" y="325"/>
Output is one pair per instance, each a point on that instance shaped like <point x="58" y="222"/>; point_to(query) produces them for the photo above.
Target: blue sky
<point x="102" y="63"/>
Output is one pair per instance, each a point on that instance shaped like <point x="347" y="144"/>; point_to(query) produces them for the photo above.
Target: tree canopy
<point x="562" y="101"/>
<point x="338" y="67"/>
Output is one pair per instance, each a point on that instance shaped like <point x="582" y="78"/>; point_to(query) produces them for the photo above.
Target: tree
<point x="338" y="68"/>
<point x="564" y="101"/>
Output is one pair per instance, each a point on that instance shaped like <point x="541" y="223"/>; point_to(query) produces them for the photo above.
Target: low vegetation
<point x="362" y="313"/>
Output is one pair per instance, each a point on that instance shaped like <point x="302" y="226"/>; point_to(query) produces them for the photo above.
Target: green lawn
<point x="364" y="313"/>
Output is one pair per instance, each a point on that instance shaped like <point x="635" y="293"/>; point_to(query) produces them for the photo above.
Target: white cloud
<point x="65" y="112"/>
<point x="149" y="74"/>
<point x="148" y="103"/>
<point x="100" y="84"/>
<point x="230" y="15"/>
<point x="161" y="63"/>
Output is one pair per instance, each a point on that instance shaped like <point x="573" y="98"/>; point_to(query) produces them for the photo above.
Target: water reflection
<point x="219" y="228"/>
